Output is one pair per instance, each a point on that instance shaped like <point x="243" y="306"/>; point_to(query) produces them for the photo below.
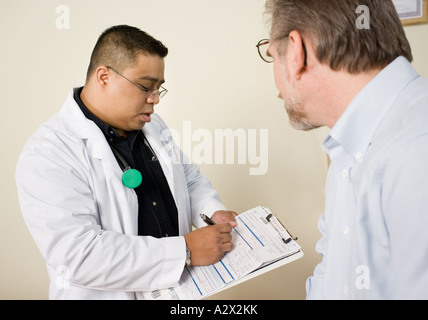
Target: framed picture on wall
<point x="412" y="11"/>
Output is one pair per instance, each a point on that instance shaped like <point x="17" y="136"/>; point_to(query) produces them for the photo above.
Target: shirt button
<point x="345" y="174"/>
<point x="345" y="290"/>
<point x="358" y="155"/>
<point x="346" y="230"/>
<point x="154" y="204"/>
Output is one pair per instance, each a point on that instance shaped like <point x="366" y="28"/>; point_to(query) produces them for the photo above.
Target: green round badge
<point x="132" y="178"/>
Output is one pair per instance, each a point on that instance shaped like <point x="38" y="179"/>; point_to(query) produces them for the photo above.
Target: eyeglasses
<point x="265" y="55"/>
<point x="149" y="92"/>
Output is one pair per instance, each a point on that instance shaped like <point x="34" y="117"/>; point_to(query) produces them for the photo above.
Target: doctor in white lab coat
<point x="83" y="218"/>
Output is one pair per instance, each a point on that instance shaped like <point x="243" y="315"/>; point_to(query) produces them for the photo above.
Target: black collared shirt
<point x="157" y="212"/>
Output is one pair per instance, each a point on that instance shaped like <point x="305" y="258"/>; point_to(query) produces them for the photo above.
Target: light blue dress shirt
<point x="374" y="229"/>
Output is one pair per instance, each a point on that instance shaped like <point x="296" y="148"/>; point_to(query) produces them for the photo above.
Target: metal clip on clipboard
<point x="269" y="219"/>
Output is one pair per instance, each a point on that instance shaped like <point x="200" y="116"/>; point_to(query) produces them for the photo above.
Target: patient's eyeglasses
<point x="264" y="51"/>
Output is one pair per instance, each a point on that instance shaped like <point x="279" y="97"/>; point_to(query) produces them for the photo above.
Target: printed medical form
<point x="259" y="241"/>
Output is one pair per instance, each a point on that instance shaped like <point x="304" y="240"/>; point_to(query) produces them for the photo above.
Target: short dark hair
<point x="331" y="26"/>
<point x="119" y="46"/>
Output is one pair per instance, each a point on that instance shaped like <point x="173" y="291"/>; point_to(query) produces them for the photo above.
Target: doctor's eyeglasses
<point x="149" y="92"/>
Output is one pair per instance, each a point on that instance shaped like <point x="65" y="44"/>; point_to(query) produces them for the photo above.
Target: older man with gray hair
<point x="359" y="82"/>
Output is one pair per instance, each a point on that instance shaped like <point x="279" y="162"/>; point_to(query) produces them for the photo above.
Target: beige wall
<point x="216" y="81"/>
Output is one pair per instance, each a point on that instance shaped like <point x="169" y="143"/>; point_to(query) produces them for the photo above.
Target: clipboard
<point x="261" y="244"/>
<point x="259" y="272"/>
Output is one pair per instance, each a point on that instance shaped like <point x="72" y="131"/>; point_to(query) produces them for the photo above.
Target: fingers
<point x="224" y="228"/>
<point x="225" y="217"/>
<point x="227" y="245"/>
<point x="209" y="244"/>
<point x="224" y="238"/>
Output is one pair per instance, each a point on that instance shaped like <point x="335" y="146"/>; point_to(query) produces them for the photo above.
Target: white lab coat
<point x="84" y="220"/>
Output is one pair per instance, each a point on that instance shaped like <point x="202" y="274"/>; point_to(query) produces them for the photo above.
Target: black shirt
<point x="157" y="212"/>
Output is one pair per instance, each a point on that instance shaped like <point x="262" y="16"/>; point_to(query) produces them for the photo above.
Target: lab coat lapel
<point x="79" y="126"/>
<point x="107" y="174"/>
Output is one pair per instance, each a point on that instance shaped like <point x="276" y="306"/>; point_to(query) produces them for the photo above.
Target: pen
<point x="207" y="219"/>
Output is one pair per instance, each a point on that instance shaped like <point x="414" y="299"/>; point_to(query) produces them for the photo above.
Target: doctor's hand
<point x="209" y="244"/>
<point x="225" y="217"/>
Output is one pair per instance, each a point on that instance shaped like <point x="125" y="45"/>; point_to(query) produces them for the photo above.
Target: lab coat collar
<point x="77" y="125"/>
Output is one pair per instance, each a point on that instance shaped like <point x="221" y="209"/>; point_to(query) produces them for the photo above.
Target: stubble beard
<point x="294" y="108"/>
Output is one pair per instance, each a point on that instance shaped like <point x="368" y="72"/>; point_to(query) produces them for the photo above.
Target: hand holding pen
<point x="223" y="217"/>
<point x="209" y="244"/>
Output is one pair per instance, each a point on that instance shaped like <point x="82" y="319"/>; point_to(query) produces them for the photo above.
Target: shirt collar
<point x="109" y="132"/>
<point x="357" y="126"/>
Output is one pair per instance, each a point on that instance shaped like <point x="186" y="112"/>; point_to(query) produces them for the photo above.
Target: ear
<point x="297" y="49"/>
<point x="102" y="76"/>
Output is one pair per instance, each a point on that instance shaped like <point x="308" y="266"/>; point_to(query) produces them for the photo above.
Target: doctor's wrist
<point x="188" y="257"/>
